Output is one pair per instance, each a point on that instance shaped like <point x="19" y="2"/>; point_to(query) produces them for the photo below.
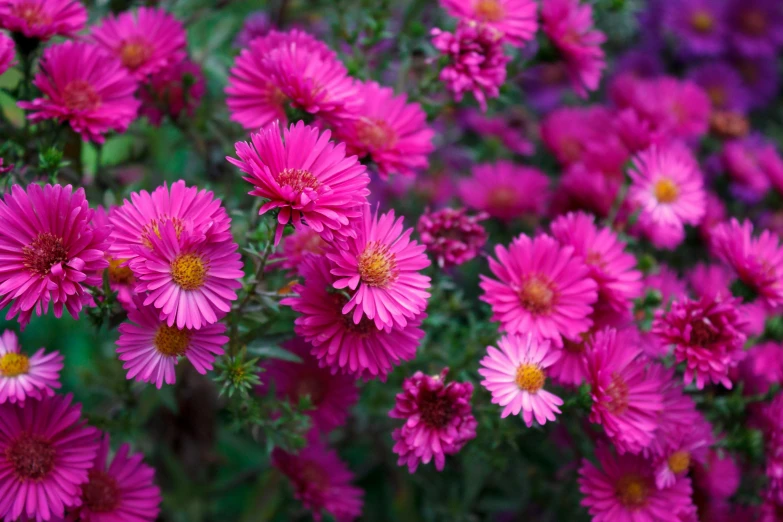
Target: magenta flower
<point x="145" y="40"/>
<point x="383" y="268"/>
<point x="582" y="189"/>
<point x="150" y="348"/>
<point x="87" y="88"/>
<point x="753" y="165"/>
<point x="175" y="90"/>
<point x="438" y="420"/>
<point x="256" y="25"/>
<point x="451" y="236"/>
<point x="724" y="86"/>
<point x="515" y="20"/>
<point x="476" y="62"/>
<point x="50" y="251"/>
<point x="755" y="27"/>
<point x="296" y="248"/>
<point x="514" y="373"/>
<point x="45" y="453"/>
<point x="306" y="176"/>
<point x="7" y="53"/>
<point x="667" y="282"/>
<point x="23" y="377"/>
<point x="690" y="446"/>
<point x="697" y="27"/>
<point x="543" y="289"/>
<point x="43" y="19"/>
<point x="570" y="369"/>
<point x="121" y="279"/>
<point x="678" y="416"/>
<point x="762" y="368"/>
<point x="514" y="130"/>
<point x="505" y="191"/>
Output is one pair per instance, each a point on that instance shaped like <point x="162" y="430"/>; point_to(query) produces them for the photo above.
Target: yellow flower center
<point x="666" y="190"/>
<point x="119" y="274"/>
<point x="702" y="21"/>
<point x="489" y="10"/>
<point x="530" y="377"/>
<point x="171" y="341"/>
<point x="679" y="461"/>
<point x="537" y="296"/>
<point x="189" y="271"/>
<point x="375" y="134"/>
<point x="297" y="179"/>
<point x="632" y="491"/>
<point x="135" y="53"/>
<point x="14" y="364"/>
<point x="79" y="95"/>
<point x="377" y="266"/>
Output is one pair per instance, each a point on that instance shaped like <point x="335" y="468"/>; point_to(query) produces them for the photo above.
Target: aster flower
<point x="678" y="415"/>
<point x="723" y="85"/>
<point x="360" y="349"/>
<point x="390" y="131"/>
<point x="690" y="445"/>
<point x="569" y="26"/>
<point x="256" y="25"/>
<point x="451" y="235"/>
<point x="296" y="248"/>
<point x="306" y="176"/>
<point x="504" y="190"/>
<point x="514" y="130"/>
<point x="514" y="373"/>
<point x="7" y="53"/>
<point x="697" y="27"/>
<point x="543" y="288"/>
<point x="50" y="251"/>
<point x="476" y="62"/>
<point x="583" y="189"/>
<point x="382" y="266"/>
<point x="546" y="86"/>
<point x="24" y="377"/>
<point x="121" y="279"/>
<point x="752" y="165"/>
<point x="42" y="19"/>
<point x="46" y="451"/>
<point x="150" y="348"/>
<point x="331" y="395"/>
<point x="627" y="396"/>
<point x="145" y="40"/>
<point x="321" y="481"/>
<point x="438" y="420"/>
<point x="175" y="90"/>
<point x="757" y="261"/>
<point x="623" y="490"/>
<point x="762" y="368"/>
<point x="755" y="26"/>
<point x="760" y="76"/>
<point x="514" y="19"/>
<point x="718" y="476"/>
<point x="119" y="490"/>
<point x="87" y="88"/>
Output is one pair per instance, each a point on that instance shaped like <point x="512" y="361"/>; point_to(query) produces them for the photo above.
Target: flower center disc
<point x="753" y="22"/>
<point x="537" y="296"/>
<point x="618" y="393"/>
<point x="80" y="95"/>
<point x="530" y="378"/>
<point x="489" y="10"/>
<point x="119" y="274"/>
<point x="189" y="271"/>
<point x="632" y="490"/>
<point x="702" y="21"/>
<point x="101" y="493"/>
<point x="679" y="461"/>
<point x="298" y="179"/>
<point x="376" y="134"/>
<point x="44" y="252"/>
<point x="171" y="341"/>
<point x="135" y="53"/>
<point x="377" y="266"/>
<point x="31" y="457"/>
<point x="14" y="364"/>
<point x="666" y="191"/>
<point x="31" y="13"/>
<point x="153" y="227"/>
<point x="436" y="410"/>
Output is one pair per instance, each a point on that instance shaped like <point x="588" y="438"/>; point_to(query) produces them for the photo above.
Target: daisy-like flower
<point x="119" y="490"/>
<point x="667" y="282"/>
<point x="382" y="266"/>
<point x="569" y="25"/>
<point x="706" y="334"/>
<point x="619" y="283"/>
<point x="46" y="451"/>
<point x="762" y="368"/>
<point x="723" y="85"/>
<point x="514" y="19"/>
<point x="331" y="395"/>
<point x="191" y="280"/>
<point x="24" y="377"/>
<point x="698" y="27"/>
<point x="760" y="76"/>
<point x="755" y="26"/>
<point x="145" y="40"/>
<point x="360" y="349"/>
<point x="476" y="62"/>
<point x="50" y="251"/>
<point x="175" y="90"/>
<point x="627" y="396"/>
<point x="7" y="53"/>
<point x="390" y="131"/>
<point x="570" y="369"/>
<point x="750" y="164"/>
<point x="452" y="236"/>
<point x="87" y="88"/>
<point x="296" y="248"/>
<point x="42" y="19"/>
<point x="718" y="476"/>
<point x="438" y="420"/>
<point x="690" y="446"/>
<point x="321" y="481"/>
<point x="505" y="191"/>
<point x="678" y="415"/>
<point x="544" y="288"/>
<point x="515" y="374"/>
<point x="150" y="348"/>
<point x="306" y="176"/>
<point x="623" y="489"/>
<point x="757" y="261"/>
<point x="583" y="189"/>
<point x="121" y="279"/>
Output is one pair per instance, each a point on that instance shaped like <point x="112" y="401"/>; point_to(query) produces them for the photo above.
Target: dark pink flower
<point x="175" y="90"/>
<point x="451" y="236"/>
<point x="514" y="19"/>
<point x="505" y="191"/>
<point x="43" y="19"/>
<point x="7" y="53"/>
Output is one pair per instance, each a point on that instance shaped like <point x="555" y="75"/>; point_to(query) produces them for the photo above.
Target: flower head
<point x="583" y="189"/>
<point x="175" y="90"/>
<point x="505" y="191"/>
<point x="438" y="420"/>
<point x="762" y="368"/>
<point x="42" y="19"/>
<point x="451" y="236"/>
<point x="698" y="27"/>
<point x="515" y="375"/>
<point x="515" y="20"/>
<point x="753" y="165"/>
<point x="723" y="85"/>
<point x="256" y="25"/>
<point x="23" y="376"/>
<point x="690" y="445"/>
<point x="7" y="53"/>
<point x="514" y="130"/>
<point x="121" y="278"/>
<point x="296" y="248"/>
<point x="755" y="27"/>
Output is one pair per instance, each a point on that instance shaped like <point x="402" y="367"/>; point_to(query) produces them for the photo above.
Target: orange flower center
<point x="679" y="461"/>
<point x="171" y="341"/>
<point x="375" y="134"/>
<point x="702" y="21"/>
<point x="717" y="95"/>
<point x="489" y="10"/>
<point x="753" y="22"/>
<point x="377" y="266"/>
<point x="134" y="53"/>
<point x="537" y="295"/>
<point x="118" y="273"/>
<point x="31" y="457"/>
<point x="530" y="377"/>
<point x="43" y="253"/>
<point x="632" y="491"/>
<point x="14" y="364"/>
<point x="618" y="395"/>
<point x="502" y="198"/>
<point x="189" y="271"/>
<point x="297" y="179"/>
<point x="665" y="190"/>
<point x="32" y="13"/>
<point x="79" y="95"/>
<point x="101" y="494"/>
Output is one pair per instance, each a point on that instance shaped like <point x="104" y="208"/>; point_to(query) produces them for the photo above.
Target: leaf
<point x="262" y="348"/>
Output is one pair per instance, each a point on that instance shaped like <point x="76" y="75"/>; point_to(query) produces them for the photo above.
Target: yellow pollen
<point x="537" y="296"/>
<point x="530" y="377"/>
<point x="297" y="179"/>
<point x="119" y="274"/>
<point x="14" y="364"/>
<point x="79" y="95"/>
<point x="135" y="53"/>
<point x="632" y="491"/>
<point x="702" y="21"/>
<point x="489" y="10"/>
<point x="189" y="271"/>
<point x="377" y="266"/>
<point x="679" y="461"/>
<point x="171" y="341"/>
<point x="666" y="191"/>
<point x="375" y="134"/>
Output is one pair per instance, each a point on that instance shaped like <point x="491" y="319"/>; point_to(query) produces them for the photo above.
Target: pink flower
<point x="678" y="415"/>
<point x="382" y="265"/>
<point x="569" y="26"/>
<point x="121" y="279"/>
<point x="452" y="236"/>
<point x="582" y="189"/>
<point x="24" y="377"/>
<point x="388" y="129"/>
<point x="151" y="349"/>
<point x="438" y="420"/>
<point x="297" y="247"/>
<point x="690" y="445"/>
<point x="514" y="373"/>
<point x="45" y="452"/>
<point x="360" y="349"/>
<point x="476" y="62"/>
<point x="145" y="40"/>
<point x="543" y="289"/>
<point x="505" y="191"/>
<point x="306" y="176"/>
<point x="515" y="20"/>
<point x="321" y="481"/>
<point x="571" y="368"/>
<point x="762" y="368"/>
<point x="50" y="251"/>
<point x="175" y="90"/>
<point x="718" y="476"/>
<point x="514" y="128"/>
<point x="667" y="282"/>
<point x="626" y="395"/>
<point x="43" y="19"/>
<point x="87" y="88"/>
<point x="331" y="395"/>
<point x="757" y="261"/>
<point x="623" y="490"/>
<point x="119" y="490"/>
<point x="7" y="53"/>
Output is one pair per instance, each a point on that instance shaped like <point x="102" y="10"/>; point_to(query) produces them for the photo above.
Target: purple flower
<point x="756" y="26"/>
<point x="697" y="27"/>
<point x="723" y="85"/>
